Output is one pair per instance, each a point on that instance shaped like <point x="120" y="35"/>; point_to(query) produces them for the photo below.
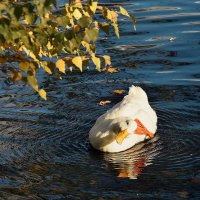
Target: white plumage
<point x="132" y="115"/>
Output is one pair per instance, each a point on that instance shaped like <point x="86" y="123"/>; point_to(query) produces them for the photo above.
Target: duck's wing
<point x="131" y="104"/>
<point x="148" y="119"/>
<point x="126" y="108"/>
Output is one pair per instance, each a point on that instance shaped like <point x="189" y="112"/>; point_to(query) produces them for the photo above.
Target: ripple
<point x="164" y="17"/>
<point x="130" y="47"/>
<point x="162" y="38"/>
<point x="45" y="153"/>
<point x="158" y="9"/>
<point x="180" y="147"/>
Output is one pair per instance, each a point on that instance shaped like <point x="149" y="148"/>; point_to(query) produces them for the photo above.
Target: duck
<point x="126" y="124"/>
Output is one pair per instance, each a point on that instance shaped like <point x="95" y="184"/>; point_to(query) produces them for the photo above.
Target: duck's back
<point x="132" y="103"/>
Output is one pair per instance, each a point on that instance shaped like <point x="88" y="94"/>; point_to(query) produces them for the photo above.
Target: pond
<point x="45" y="152"/>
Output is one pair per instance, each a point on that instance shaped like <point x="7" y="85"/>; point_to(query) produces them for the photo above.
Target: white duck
<point x="129" y="122"/>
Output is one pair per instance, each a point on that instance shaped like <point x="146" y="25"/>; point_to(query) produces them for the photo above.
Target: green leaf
<point x="33" y="82"/>
<point x="63" y="21"/>
<point x="43" y="94"/>
<point x="60" y="64"/>
<point x="134" y="22"/>
<point x="97" y="62"/>
<point x="84" y="21"/>
<point x="77" y="61"/>
<point x="116" y="29"/>
<point x="91" y="34"/>
<point x="17" y="11"/>
<point x="30" y="18"/>
<point x="124" y="11"/>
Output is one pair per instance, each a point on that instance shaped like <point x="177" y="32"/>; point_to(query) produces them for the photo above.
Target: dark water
<point x="44" y="146"/>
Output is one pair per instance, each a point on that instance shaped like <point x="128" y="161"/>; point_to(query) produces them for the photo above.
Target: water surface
<point x="45" y="153"/>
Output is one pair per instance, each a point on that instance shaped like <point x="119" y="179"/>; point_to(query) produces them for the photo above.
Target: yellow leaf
<point x="112" y="70"/>
<point x="118" y="91"/>
<point x="70" y="68"/>
<point x="77" y="14"/>
<point x="24" y="66"/>
<point x="42" y="52"/>
<point x="32" y="66"/>
<point x="46" y="67"/>
<point x="49" y="45"/>
<point x="30" y="53"/>
<point x="76" y="28"/>
<point x="107" y="60"/>
<point x="78" y="62"/>
<point x="16" y="76"/>
<point x="93" y="7"/>
<point x="110" y="15"/>
<point x="114" y="16"/>
<point x="97" y="62"/>
<point x="116" y="29"/>
<point x="78" y="4"/>
<point x="86" y="13"/>
<point x="33" y="82"/>
<point x="124" y="11"/>
<point x="43" y="94"/>
<point x="100" y="7"/>
<point x="60" y="64"/>
<point x="2" y="48"/>
<point x="104" y="103"/>
<point x="86" y="45"/>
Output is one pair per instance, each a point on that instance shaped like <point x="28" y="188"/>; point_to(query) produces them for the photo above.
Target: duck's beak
<point x="121" y="136"/>
<point x="142" y="130"/>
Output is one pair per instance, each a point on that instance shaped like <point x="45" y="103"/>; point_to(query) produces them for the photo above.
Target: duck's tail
<point x="137" y="92"/>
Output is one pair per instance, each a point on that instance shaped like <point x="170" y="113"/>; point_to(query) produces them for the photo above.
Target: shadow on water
<point x="45" y="153"/>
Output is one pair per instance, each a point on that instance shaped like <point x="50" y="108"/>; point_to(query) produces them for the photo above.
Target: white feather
<point x="134" y="105"/>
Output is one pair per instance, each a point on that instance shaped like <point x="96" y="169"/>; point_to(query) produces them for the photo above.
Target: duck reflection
<point x="130" y="163"/>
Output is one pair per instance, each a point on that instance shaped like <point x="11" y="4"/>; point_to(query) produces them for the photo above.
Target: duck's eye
<point x="127" y="122"/>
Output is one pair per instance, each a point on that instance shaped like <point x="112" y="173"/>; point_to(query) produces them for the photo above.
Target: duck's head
<point x="126" y="127"/>
<point x="130" y="126"/>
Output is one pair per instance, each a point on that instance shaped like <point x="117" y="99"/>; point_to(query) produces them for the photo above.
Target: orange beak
<point x="141" y="129"/>
<point x="121" y="136"/>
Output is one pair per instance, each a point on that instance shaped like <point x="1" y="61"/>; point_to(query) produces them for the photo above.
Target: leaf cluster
<point x="39" y="34"/>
